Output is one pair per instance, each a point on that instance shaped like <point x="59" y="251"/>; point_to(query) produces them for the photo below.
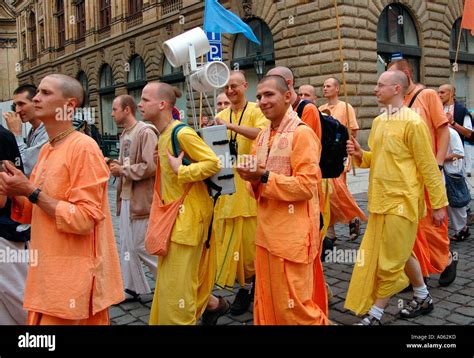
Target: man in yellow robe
<point x="432" y="242"/>
<point x="77" y="277"/>
<point x="186" y="274"/>
<point x="235" y="218"/>
<point x="290" y="287"/>
<point x="401" y="162"/>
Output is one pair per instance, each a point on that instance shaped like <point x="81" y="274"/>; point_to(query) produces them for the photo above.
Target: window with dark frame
<point x="32" y="29"/>
<point x="107" y="95"/>
<point x="244" y="51"/>
<point x="61" y="24"/>
<point x="23" y="45"/>
<point x="466" y="43"/>
<point x="41" y="36"/>
<point x="396" y="32"/>
<point x="105" y="13"/>
<point x="134" y="7"/>
<point x="136" y="80"/>
<point x="81" y="19"/>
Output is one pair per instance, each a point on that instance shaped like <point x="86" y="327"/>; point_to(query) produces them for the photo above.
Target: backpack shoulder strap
<point x="300" y="107"/>
<point x="414" y="97"/>
<point x="175" y="142"/>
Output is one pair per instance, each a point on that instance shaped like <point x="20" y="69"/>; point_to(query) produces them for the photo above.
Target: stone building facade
<point x="8" y="51"/>
<point x="115" y="46"/>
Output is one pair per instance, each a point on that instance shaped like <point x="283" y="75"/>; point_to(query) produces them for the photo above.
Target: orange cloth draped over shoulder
<point x="290" y="286"/>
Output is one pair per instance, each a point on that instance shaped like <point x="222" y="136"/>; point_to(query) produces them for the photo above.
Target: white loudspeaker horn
<point x="177" y="49"/>
<point x="210" y="76"/>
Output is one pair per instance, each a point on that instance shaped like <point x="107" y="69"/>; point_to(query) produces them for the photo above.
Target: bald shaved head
<point x="331" y="88"/>
<point x="308" y="88"/>
<point x="70" y="87"/>
<point x="240" y="75"/>
<point x="334" y="81"/>
<point x="165" y="92"/>
<point x="278" y="82"/>
<point x="397" y="77"/>
<point x="307" y="92"/>
<point x="391" y="88"/>
<point x="446" y="93"/>
<point x="284" y="72"/>
<point x="448" y="87"/>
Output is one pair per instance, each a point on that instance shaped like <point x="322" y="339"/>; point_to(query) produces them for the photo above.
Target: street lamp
<point x="259" y="64"/>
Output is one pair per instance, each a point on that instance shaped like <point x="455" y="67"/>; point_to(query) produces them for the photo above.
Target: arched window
<point x="136" y="80"/>
<point x="245" y="53"/>
<point x="107" y="95"/>
<point x="466" y="43"/>
<point x="464" y="80"/>
<point x="60" y="23"/>
<point x="41" y="36"/>
<point x="32" y="30"/>
<point x="81" y="18"/>
<point x="175" y="77"/>
<point x="396" y="33"/>
<point x="105" y="13"/>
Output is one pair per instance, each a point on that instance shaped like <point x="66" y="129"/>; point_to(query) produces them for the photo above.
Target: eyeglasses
<point x="380" y="85"/>
<point x="232" y="87"/>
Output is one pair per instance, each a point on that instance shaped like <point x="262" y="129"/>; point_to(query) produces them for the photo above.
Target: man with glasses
<point x="432" y="244"/>
<point x="400" y="155"/>
<point x="235" y="218"/>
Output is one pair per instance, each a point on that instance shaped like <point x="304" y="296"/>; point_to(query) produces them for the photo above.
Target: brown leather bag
<point x="162" y="219"/>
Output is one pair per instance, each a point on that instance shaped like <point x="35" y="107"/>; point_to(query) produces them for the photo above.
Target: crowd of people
<point x="268" y="238"/>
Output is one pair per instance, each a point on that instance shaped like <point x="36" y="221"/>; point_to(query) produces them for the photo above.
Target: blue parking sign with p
<point x="215" y="54"/>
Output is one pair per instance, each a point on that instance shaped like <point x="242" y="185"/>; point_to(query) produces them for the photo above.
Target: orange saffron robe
<point x="432" y="242"/>
<point x="78" y="271"/>
<point x="343" y="205"/>
<point x="290" y="286"/>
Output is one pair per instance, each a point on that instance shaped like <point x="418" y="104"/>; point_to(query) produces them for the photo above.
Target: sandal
<point x="131" y="296"/>
<point x="354" y="229"/>
<point x="461" y="235"/>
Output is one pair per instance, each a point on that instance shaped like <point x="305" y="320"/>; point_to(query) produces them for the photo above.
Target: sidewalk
<point x="454" y="305"/>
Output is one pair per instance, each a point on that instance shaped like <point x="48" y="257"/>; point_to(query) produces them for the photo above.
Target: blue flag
<point x="218" y="19"/>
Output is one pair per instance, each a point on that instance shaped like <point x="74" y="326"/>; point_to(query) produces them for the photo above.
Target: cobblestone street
<point x="454" y="305"/>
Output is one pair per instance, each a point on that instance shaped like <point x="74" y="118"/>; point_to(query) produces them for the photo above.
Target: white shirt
<point x="454" y="147"/>
<point x="467" y="120"/>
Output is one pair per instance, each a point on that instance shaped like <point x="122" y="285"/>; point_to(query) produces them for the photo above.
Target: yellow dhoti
<point x="186" y="277"/>
<point x="326" y="210"/>
<point x="379" y="271"/>
<point x="235" y="250"/>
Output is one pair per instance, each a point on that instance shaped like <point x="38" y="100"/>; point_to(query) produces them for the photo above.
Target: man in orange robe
<point x="290" y="287"/>
<point x="310" y="117"/>
<point x="432" y="242"/>
<point x="343" y="207"/>
<point x="77" y="277"/>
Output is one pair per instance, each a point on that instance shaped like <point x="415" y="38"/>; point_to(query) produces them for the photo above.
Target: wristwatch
<point x="34" y="196"/>
<point x="264" y="177"/>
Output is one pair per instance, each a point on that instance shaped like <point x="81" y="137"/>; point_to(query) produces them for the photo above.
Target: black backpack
<point x="333" y="144"/>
